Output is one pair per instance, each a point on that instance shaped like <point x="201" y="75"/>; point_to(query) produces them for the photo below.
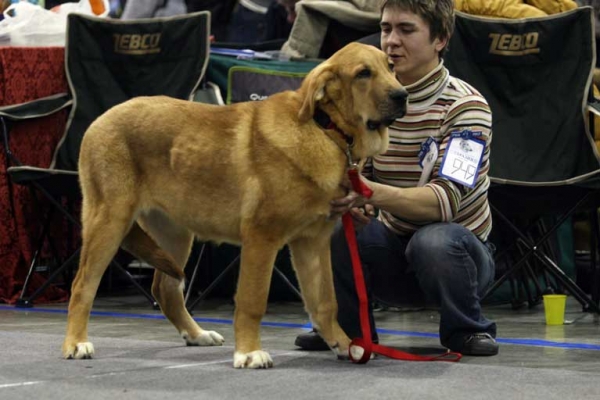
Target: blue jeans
<point x="443" y="264"/>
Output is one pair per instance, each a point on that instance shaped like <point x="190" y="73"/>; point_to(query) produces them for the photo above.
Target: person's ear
<point x="440" y="43"/>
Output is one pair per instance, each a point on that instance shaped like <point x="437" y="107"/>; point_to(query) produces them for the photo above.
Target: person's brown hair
<point x="438" y="14"/>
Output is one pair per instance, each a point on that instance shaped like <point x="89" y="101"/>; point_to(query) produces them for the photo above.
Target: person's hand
<point x="350" y="201"/>
<point x="346" y="204"/>
<point x="362" y="215"/>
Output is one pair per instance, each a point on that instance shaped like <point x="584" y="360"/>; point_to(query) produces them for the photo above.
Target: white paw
<point x="84" y="350"/>
<point x="357" y="352"/>
<point x="254" y="359"/>
<point x="205" y="338"/>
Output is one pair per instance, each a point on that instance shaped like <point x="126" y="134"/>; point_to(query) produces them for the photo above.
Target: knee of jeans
<point x="434" y="243"/>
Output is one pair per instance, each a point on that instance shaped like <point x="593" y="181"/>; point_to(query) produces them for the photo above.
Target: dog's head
<point x="356" y="88"/>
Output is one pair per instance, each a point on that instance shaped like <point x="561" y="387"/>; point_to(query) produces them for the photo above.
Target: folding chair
<point x="536" y="74"/>
<point x="251" y="81"/>
<point x="108" y="62"/>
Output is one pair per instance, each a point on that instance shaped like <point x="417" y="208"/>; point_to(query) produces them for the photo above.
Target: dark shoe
<point x="479" y="344"/>
<point x="311" y="341"/>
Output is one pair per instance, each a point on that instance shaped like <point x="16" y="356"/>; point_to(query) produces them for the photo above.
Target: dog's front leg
<point x="312" y="262"/>
<point x="254" y="282"/>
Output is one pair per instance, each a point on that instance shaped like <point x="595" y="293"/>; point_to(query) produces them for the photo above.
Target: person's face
<point x="406" y="39"/>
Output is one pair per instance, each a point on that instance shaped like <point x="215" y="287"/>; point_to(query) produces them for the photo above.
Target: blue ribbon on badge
<point x="425" y="148"/>
<point x="465" y="134"/>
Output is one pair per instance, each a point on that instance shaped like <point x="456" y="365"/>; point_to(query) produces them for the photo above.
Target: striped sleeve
<point x="468" y="113"/>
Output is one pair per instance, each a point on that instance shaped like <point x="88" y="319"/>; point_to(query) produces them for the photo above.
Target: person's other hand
<point x="344" y="204"/>
<point x="362" y="215"/>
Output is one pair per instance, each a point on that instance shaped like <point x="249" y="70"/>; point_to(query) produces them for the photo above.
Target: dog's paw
<point x="254" y="359"/>
<point x="357" y="353"/>
<point x="341" y="354"/>
<point x="84" y="350"/>
<point x="205" y="338"/>
<point x="340" y="348"/>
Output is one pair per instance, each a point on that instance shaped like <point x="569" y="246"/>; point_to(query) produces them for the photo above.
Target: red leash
<point x="366" y="341"/>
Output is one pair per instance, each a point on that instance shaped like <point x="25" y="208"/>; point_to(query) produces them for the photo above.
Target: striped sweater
<point x="439" y="104"/>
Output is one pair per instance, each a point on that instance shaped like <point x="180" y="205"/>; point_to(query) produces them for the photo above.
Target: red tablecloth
<point x="27" y="74"/>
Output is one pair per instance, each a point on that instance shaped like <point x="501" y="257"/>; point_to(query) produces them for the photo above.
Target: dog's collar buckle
<point x="351" y="163"/>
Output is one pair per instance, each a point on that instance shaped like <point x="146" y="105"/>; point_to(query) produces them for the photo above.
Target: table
<point x="27" y="73"/>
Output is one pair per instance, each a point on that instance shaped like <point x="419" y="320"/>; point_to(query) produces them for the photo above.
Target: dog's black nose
<point x="398" y="94"/>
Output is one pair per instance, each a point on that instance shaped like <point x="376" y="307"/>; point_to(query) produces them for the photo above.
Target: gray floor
<point x="139" y="356"/>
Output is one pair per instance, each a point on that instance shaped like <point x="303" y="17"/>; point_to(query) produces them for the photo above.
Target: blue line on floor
<point x="520" y="342"/>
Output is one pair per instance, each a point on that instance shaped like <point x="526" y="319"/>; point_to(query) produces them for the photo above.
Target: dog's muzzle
<point x="398" y="102"/>
<point x="395" y="108"/>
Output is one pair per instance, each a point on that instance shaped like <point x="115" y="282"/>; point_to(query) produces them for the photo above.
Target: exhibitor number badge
<point x="463" y="158"/>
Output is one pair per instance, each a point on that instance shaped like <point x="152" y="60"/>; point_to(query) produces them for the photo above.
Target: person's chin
<point x="400" y="70"/>
<point x="401" y="65"/>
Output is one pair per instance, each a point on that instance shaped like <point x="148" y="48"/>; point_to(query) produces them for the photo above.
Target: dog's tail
<point x="142" y="246"/>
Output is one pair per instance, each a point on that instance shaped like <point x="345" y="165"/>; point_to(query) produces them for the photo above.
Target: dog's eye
<point x="391" y="66"/>
<point x="365" y="73"/>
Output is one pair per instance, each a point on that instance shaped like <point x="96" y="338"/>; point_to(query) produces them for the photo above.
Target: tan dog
<point x="156" y="171"/>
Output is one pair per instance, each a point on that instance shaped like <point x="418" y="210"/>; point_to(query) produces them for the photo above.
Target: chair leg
<point x="547" y="264"/>
<point x="568" y="283"/>
<point x="515" y="299"/>
<point x="498" y="282"/>
<point x="222" y="275"/>
<point x="76" y="223"/>
<point x="529" y="279"/>
<point x="135" y="283"/>
<point x="28" y="302"/>
<point x="288" y="283"/>
<point x="213" y="284"/>
<point x="194" y="273"/>
<point x="34" y="259"/>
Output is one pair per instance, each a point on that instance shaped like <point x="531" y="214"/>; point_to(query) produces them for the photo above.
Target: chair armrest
<point x="36" y="108"/>
<point x="32" y="109"/>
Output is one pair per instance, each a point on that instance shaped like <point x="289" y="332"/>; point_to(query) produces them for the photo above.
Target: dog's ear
<point x="313" y="89"/>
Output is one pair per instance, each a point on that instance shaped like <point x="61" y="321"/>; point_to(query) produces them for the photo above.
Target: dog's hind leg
<point x="166" y="242"/>
<point x="104" y="227"/>
<point x="138" y="243"/>
<point x="311" y="258"/>
<point x="258" y="257"/>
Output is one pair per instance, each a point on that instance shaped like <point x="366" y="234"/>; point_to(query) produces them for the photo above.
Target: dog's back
<point x="169" y="154"/>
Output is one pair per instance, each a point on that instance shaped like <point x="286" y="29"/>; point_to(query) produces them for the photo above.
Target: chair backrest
<point x="536" y="75"/>
<point x="110" y="61"/>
